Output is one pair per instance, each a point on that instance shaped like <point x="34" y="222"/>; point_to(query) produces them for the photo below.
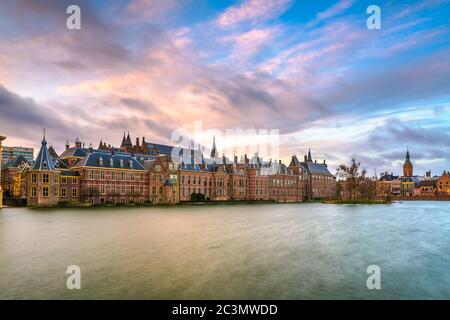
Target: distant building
<point x="11" y="152"/>
<point x="410" y="186"/>
<point x="443" y="184"/>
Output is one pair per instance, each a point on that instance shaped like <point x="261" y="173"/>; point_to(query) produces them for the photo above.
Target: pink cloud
<point x="253" y="10"/>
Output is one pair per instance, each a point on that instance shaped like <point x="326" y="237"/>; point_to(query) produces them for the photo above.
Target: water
<point x="279" y="251"/>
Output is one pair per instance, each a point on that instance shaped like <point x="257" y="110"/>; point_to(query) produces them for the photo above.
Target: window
<point x="111" y="162"/>
<point x="102" y="189"/>
<point x="113" y="175"/>
<point x="64" y="192"/>
<point x="33" y="178"/>
<point x="74" y="193"/>
<point x="74" y="181"/>
<point x="100" y="161"/>
<point x="121" y="164"/>
<point x="45" y="178"/>
<point x="45" y="192"/>
<point x="122" y="176"/>
<point x="33" y="191"/>
<point x="131" y="164"/>
<point x="91" y="175"/>
<point x="102" y="175"/>
<point x="63" y="180"/>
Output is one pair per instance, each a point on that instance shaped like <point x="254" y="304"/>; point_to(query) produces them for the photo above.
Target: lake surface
<point x="270" y="251"/>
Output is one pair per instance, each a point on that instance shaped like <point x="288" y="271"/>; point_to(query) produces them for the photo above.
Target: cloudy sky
<point x="311" y="69"/>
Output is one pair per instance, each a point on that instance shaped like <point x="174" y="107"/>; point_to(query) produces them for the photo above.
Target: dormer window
<point x="100" y="161"/>
<point x="131" y="164"/>
<point x="111" y="162"/>
<point x="121" y="163"/>
<point x="44" y="164"/>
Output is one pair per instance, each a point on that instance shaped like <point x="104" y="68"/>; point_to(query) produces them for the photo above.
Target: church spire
<point x="214" y="153"/>
<point x="309" y="156"/>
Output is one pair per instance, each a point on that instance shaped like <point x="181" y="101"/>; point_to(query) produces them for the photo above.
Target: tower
<point x="43" y="179"/>
<point x="214" y="153"/>
<point x="407" y="166"/>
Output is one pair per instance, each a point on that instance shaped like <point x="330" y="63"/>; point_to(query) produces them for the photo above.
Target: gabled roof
<point x="294" y="162"/>
<point x="52" y="152"/>
<point x="103" y="160"/>
<point x="44" y="161"/>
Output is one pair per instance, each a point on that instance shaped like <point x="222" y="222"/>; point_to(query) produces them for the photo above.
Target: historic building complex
<point x="413" y="186"/>
<point x="146" y="172"/>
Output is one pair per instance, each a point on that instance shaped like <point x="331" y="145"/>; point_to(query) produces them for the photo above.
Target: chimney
<point x="67" y="145"/>
<point x="137" y="142"/>
<point x="90" y="148"/>
<point x="306" y="158"/>
<point x="246" y="159"/>
<point x="235" y="159"/>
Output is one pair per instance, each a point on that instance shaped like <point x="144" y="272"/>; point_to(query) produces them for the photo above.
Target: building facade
<point x="12" y="152"/>
<point x="149" y="173"/>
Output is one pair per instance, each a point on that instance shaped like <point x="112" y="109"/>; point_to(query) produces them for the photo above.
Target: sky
<point x="310" y="69"/>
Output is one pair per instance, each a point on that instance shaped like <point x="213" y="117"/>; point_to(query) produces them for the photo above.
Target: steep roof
<point x="316" y="168"/>
<point x="52" y="152"/>
<point x="44" y="161"/>
<point x="103" y="160"/>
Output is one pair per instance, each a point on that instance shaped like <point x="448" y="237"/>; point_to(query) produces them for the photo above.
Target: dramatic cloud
<point x="152" y="67"/>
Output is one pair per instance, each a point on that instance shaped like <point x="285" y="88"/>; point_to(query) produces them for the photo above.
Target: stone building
<point x="443" y="184"/>
<point x="162" y="180"/>
<point x="43" y="180"/>
<point x="109" y="177"/>
<point x="319" y="182"/>
<point x="162" y="174"/>
<point x="9" y="170"/>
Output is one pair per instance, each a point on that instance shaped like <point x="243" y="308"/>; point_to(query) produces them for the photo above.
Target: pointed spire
<point x="44" y="160"/>
<point x="214" y="153"/>
<point x="123" y="140"/>
<point x="309" y="156"/>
